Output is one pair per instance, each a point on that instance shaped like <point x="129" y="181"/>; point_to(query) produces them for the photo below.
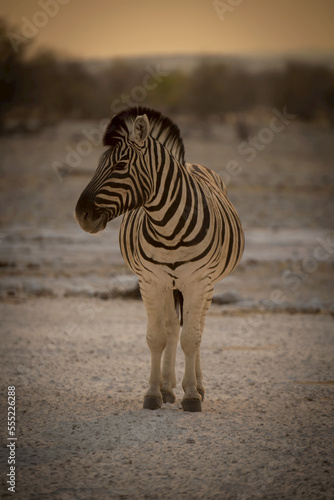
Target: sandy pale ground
<point x="80" y="368"/>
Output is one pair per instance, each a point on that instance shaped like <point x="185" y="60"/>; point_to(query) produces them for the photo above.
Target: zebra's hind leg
<point x="168" y="364"/>
<point x="154" y="301"/>
<point x="198" y="366"/>
<point x="199" y="375"/>
<point x="196" y="303"/>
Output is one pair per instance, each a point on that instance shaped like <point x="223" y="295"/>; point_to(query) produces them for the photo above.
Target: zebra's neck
<point x="169" y="209"/>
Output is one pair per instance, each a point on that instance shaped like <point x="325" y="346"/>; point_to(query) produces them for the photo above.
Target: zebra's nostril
<point x="86" y="215"/>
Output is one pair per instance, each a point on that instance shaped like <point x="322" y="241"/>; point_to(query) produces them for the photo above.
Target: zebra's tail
<point x="178" y="301"/>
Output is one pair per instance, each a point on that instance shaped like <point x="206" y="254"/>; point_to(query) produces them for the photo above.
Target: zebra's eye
<point x="120" y="166"/>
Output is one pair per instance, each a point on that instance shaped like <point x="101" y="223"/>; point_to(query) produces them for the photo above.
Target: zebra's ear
<point x="141" y="129"/>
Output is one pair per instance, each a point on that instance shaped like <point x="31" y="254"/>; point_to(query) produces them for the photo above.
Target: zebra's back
<point x="206" y="175"/>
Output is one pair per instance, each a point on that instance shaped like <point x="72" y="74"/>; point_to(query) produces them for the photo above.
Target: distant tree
<point x="79" y="90"/>
<point x="12" y="71"/>
<point x="207" y="89"/>
<point x="241" y="90"/>
<point x="170" y="93"/>
<point x="329" y="102"/>
<point x="119" y="83"/>
<point x="268" y="88"/>
<point x="305" y="88"/>
<point x="43" y="83"/>
<point x="60" y="88"/>
<point x="123" y="76"/>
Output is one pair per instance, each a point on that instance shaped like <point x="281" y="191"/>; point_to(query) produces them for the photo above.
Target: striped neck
<point x="169" y="208"/>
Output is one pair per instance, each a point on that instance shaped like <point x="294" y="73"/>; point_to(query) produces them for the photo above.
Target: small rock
<point x="124" y="286"/>
<point x="315" y="304"/>
<point x="36" y="288"/>
<point x="250" y="381"/>
<point x="190" y="441"/>
<point x="228" y="297"/>
<point x="79" y="291"/>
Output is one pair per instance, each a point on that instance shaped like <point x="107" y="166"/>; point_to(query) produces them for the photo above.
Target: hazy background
<point x="250" y="84"/>
<point x="73" y="59"/>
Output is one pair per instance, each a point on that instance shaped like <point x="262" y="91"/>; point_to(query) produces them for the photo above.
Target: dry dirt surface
<point x="265" y="432"/>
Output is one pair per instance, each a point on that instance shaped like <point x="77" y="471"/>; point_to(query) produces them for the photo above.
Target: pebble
<point x="190" y="441"/>
<point x="228" y="297"/>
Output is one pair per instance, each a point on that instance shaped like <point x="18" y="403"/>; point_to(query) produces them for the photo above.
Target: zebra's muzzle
<point x="89" y="219"/>
<point x="93" y="226"/>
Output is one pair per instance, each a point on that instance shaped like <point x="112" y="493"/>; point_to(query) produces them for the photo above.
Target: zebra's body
<point x="179" y="232"/>
<point x="173" y="258"/>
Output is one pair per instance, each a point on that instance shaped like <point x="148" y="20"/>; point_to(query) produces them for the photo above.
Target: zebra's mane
<point x="161" y="128"/>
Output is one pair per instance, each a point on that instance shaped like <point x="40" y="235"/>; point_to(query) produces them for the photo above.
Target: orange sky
<point x="106" y="28"/>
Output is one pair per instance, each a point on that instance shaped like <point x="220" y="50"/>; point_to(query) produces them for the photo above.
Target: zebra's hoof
<point x="191" y="405"/>
<point x="168" y="397"/>
<point x="201" y="392"/>
<point x="152" y="403"/>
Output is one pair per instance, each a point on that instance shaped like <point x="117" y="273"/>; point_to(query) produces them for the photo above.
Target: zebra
<point x="179" y="234"/>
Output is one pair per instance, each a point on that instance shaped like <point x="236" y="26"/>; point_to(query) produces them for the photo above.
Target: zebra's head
<point x="116" y="186"/>
<point x="124" y="178"/>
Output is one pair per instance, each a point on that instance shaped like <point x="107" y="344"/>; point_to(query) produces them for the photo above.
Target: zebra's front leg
<point x="156" y="339"/>
<point x="168" y="364"/>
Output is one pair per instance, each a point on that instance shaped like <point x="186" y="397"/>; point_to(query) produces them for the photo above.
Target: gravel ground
<point x="80" y="368"/>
